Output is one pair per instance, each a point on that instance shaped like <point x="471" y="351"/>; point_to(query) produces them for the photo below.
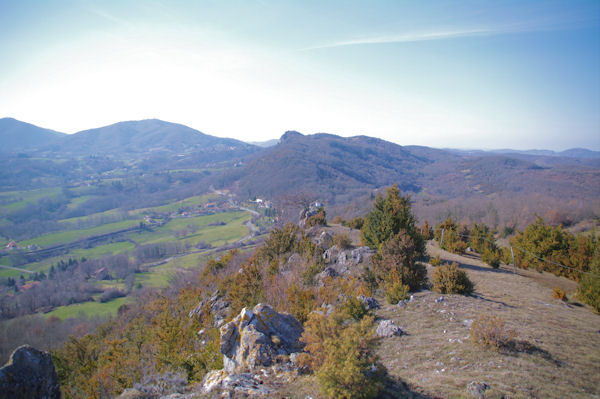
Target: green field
<point x="174" y="206"/>
<point x="64" y="237"/>
<point x="90" y="253"/>
<point x="75" y="202"/>
<point x="188" y="231"/>
<point x="109" y="308"/>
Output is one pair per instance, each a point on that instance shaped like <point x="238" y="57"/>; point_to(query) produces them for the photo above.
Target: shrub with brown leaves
<point x="449" y="279"/>
<point x="489" y="332"/>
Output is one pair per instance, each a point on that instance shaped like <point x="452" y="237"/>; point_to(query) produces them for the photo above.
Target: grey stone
<point x="29" y="373"/>
<point x="218" y="307"/>
<point x="325" y="240"/>
<point x="440" y="299"/>
<point x="387" y="328"/>
<point x="477" y="389"/>
<point x="256" y="337"/>
<point x="246" y="384"/>
<point x="361" y="254"/>
<point x="370" y="302"/>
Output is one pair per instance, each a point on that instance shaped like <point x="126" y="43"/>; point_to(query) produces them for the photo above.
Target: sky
<point x="460" y="74"/>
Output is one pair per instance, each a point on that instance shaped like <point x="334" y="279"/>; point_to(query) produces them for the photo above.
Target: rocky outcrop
<point x="256" y="337"/>
<point x="216" y="306"/>
<point x="29" y="373"/>
<point x="370" y="302"/>
<point x="345" y="262"/>
<point x="477" y="389"/>
<point x="255" y="344"/>
<point x="387" y="328"/>
<point x="325" y="240"/>
<point x="241" y="384"/>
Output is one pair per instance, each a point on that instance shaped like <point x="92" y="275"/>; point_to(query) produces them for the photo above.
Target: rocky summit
<point x="29" y="373"/>
<point x="254" y="340"/>
<point x="255" y="337"/>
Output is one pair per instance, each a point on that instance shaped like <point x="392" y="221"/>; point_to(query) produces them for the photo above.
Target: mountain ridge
<point x="142" y="136"/>
<point x="18" y="136"/>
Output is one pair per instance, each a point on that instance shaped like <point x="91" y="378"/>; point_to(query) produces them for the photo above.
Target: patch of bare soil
<point x="555" y="354"/>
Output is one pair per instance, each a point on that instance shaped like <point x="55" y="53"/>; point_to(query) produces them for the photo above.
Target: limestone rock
<point x="387" y="328"/>
<point x="361" y="254"/>
<point x="345" y="261"/>
<point x="477" y="389"/>
<point x="305" y="214"/>
<point x="217" y="306"/>
<point x="370" y="302"/>
<point x="327" y="272"/>
<point x="293" y="261"/>
<point x="256" y="337"/>
<point x="29" y="373"/>
<point x="325" y="240"/>
<point x="239" y="384"/>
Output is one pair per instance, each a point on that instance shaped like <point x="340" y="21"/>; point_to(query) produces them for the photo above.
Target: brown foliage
<point x="449" y="279"/>
<point x="490" y="332"/>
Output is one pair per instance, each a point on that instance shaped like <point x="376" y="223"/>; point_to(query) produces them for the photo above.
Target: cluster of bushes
<point x="449" y="279"/>
<point x="340" y="351"/>
<point x="557" y="246"/>
<point x="390" y="228"/>
<point x="154" y="336"/>
<point x="318" y="219"/>
<point x="457" y="238"/>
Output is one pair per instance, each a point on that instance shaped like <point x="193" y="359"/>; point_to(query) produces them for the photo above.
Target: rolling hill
<point x="17" y="136"/>
<point x="145" y="137"/>
<point x="335" y="168"/>
<point x="344" y="172"/>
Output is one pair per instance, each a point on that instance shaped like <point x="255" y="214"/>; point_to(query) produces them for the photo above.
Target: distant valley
<point x="343" y="172"/>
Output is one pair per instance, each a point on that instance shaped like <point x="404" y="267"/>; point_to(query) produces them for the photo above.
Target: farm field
<point x="196" y="233"/>
<point x="106" y="309"/>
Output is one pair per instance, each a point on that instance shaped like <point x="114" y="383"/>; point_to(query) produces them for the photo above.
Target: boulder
<point x="477" y="389"/>
<point x="256" y="337"/>
<point x="325" y="240"/>
<point x="345" y="261"/>
<point x="327" y="272"/>
<point x="29" y="373"/>
<point x="306" y="213"/>
<point x="361" y="255"/>
<point x="331" y="254"/>
<point x="240" y="384"/>
<point x="217" y="306"/>
<point x="370" y="302"/>
<point x="387" y="328"/>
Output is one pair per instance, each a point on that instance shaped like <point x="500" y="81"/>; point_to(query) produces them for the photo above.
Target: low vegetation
<point x="490" y="332"/>
<point x="450" y="279"/>
<point x="342" y="356"/>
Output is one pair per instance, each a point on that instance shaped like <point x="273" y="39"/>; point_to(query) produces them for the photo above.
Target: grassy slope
<point x="89" y="308"/>
<point x="18" y="199"/>
<point x="63" y="237"/>
<point x="436" y="356"/>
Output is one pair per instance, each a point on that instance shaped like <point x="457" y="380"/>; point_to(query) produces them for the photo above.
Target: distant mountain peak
<point x="290" y="135"/>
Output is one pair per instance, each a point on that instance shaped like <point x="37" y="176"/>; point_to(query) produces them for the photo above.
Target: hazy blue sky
<point x="468" y="74"/>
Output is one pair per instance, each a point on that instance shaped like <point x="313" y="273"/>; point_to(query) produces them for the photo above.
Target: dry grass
<point x="555" y="354"/>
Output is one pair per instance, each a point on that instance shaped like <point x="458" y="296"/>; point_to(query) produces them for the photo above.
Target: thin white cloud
<point x="539" y="25"/>
<point x="408" y="38"/>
